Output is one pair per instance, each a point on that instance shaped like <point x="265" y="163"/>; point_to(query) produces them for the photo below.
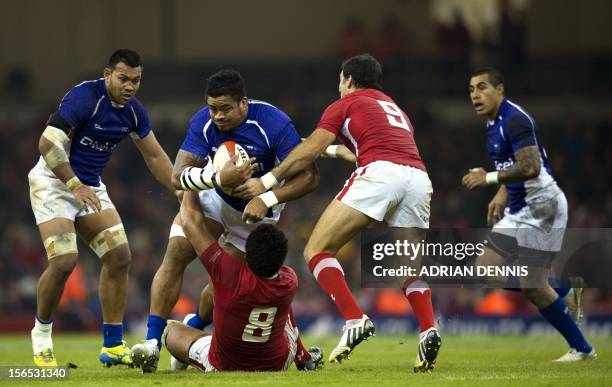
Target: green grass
<point x="382" y="361"/>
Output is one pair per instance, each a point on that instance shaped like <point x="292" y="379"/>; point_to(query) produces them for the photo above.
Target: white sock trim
<point x="327" y="263"/>
<point x="41" y="336"/>
<point x="416" y="286"/>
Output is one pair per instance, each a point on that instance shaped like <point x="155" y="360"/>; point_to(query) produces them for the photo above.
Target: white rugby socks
<point x="41" y="335"/>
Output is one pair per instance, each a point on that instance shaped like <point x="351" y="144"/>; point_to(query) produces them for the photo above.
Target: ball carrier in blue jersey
<point x="68" y="196"/>
<point x="533" y="206"/>
<point x="268" y="135"/>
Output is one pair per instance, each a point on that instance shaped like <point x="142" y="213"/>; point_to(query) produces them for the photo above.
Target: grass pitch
<point x="381" y="361"/>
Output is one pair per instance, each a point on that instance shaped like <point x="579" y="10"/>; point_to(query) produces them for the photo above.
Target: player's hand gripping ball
<point x="226" y="151"/>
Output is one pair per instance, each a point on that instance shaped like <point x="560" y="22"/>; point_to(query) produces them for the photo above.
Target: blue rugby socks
<point x="558" y="316"/>
<point x="155" y="328"/>
<point x="198" y="322"/>
<point x="113" y="334"/>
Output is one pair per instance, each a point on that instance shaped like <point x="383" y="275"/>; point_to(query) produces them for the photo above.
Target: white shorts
<point x="198" y="354"/>
<point x="236" y="231"/>
<point x="51" y="198"/>
<point x="539" y="225"/>
<point x="397" y="194"/>
<point x="199" y="350"/>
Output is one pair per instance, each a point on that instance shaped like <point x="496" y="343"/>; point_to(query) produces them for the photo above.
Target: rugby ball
<point x="226" y="151"/>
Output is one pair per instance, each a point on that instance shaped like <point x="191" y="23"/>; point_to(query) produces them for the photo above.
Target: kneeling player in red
<point x="255" y="329"/>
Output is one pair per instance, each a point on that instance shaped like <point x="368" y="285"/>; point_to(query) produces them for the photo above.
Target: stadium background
<point x="556" y="56"/>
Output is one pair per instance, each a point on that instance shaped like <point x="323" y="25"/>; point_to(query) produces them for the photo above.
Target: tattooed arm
<point x="520" y="132"/>
<point x="527" y="166"/>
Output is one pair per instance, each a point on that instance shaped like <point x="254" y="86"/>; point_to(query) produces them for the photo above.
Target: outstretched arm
<point x="339" y="152"/>
<point x="193" y="223"/>
<point x="297" y="186"/>
<point x="303" y="155"/>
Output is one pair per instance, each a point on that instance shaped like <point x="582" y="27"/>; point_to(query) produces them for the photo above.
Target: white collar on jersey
<point x="115" y="104"/>
<point x="274" y="276"/>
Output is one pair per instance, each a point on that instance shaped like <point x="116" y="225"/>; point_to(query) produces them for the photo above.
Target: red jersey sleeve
<point x="333" y="118"/>
<point x="224" y="269"/>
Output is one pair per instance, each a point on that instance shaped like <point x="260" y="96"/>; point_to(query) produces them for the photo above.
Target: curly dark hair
<point x="226" y="82"/>
<point x="266" y="249"/>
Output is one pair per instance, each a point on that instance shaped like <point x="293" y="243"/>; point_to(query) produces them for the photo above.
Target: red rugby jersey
<point x="250" y="314"/>
<point x="372" y="125"/>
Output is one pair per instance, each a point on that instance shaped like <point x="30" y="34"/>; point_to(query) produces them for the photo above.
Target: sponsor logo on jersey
<point x="503" y="165"/>
<point x="100" y="146"/>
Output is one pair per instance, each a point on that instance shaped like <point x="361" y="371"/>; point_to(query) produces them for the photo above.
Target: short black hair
<point x="495" y="76"/>
<point x="266" y="249"/>
<point x="365" y="70"/>
<point x="226" y="82"/>
<point x="129" y="57"/>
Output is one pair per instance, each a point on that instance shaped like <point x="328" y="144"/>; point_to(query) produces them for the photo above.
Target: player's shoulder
<point x="266" y="112"/>
<point x="86" y="90"/>
<point x="514" y="113"/>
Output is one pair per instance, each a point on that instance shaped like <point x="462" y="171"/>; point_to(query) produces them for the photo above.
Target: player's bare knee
<point x="118" y="259"/>
<point x="313" y="249"/>
<point x="62" y="266"/>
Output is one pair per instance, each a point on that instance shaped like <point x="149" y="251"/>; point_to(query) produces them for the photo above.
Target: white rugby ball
<point x="226" y="151"/>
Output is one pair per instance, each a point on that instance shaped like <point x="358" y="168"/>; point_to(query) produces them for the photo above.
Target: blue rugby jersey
<point x="98" y="125"/>
<point x="267" y="134"/>
<point x="511" y="130"/>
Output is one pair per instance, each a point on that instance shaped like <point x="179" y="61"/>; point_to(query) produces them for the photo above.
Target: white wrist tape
<point x="269" y="199"/>
<point x="269" y="180"/>
<point x="73" y="183"/>
<point x="332" y="151"/>
<point x="492" y="177"/>
<point x="197" y="179"/>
